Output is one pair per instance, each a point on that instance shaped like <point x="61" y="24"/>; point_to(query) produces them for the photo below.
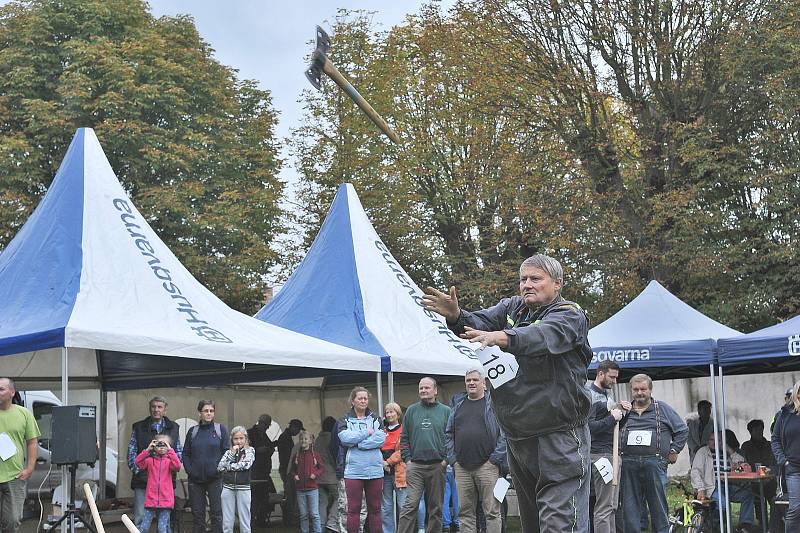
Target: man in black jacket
<point x="544" y="409"/>
<point x="261" y="482"/>
<point x="285" y="443"/>
<point x="142" y="434"/>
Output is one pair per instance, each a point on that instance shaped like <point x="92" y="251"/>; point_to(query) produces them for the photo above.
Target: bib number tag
<point x="639" y="438"/>
<point x="499" y="366"/>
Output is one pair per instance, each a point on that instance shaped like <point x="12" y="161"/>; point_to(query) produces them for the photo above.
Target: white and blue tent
<point x="659" y="332"/>
<point x="350" y="290"/>
<point x="88" y="290"/>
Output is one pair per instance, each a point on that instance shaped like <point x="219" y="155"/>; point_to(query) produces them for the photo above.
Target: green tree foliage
<point x="193" y="145"/>
<point x="702" y="197"/>
<point x="634" y="140"/>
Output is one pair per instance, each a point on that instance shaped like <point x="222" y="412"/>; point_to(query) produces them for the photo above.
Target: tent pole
<point x="379" y="387"/>
<point x="725" y="465"/>
<point x="716" y="436"/>
<point x="390" y="386"/>
<point x="101" y="488"/>
<point x="65" y="479"/>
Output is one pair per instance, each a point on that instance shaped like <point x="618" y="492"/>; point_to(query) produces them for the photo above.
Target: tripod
<point x="71" y="512"/>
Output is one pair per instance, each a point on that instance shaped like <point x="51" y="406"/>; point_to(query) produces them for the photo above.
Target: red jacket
<point x="160" y="493"/>
<point x="305" y="463"/>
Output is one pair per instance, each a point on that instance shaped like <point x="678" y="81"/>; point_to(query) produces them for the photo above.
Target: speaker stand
<point x="71" y="513"/>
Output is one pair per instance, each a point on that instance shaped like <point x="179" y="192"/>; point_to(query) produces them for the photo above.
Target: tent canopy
<point x="658" y="332"/>
<point x="86" y="272"/>
<point x="350" y="290"/>
<point x="772" y="349"/>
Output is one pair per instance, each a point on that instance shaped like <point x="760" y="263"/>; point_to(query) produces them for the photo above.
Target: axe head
<point x="314" y="72"/>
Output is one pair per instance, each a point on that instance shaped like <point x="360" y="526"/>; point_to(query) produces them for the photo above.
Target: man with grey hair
<point x="653" y="436"/>
<point x="476" y="449"/>
<point x="142" y="434"/>
<point x="544" y="409"/>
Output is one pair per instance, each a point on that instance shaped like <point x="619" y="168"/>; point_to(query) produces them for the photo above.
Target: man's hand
<point x="617" y="414"/>
<point x="626" y="406"/>
<point x="701" y="495"/>
<point x="486" y="338"/>
<point x="370" y="431"/>
<point x="296" y="477"/>
<point x="313" y="476"/>
<point x="442" y="303"/>
<point x="25" y="473"/>
<point x="672" y="457"/>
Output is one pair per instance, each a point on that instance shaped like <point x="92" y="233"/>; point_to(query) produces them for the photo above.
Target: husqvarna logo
<point x="163" y="276"/>
<point x="794" y="345"/>
<point x="441" y="328"/>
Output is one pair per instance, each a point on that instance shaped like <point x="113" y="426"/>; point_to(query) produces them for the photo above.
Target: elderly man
<point x="544" y="410"/>
<point x="704" y="474"/>
<point x="653" y="436"/>
<point x="21" y="433"/>
<point x="422" y="446"/>
<point x="142" y="434"/>
<point x="476" y="448"/>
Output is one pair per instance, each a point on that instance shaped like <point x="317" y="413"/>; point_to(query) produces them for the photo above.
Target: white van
<point x="41" y="404"/>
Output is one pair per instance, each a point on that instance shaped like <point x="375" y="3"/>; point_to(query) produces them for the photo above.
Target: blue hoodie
<point x="363" y="458"/>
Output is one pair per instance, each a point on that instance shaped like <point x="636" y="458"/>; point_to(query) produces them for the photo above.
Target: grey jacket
<point x="498" y="456"/>
<point x="669" y="435"/>
<point x="552" y="348"/>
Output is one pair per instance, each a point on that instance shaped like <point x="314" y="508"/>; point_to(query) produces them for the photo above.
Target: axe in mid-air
<point x="320" y="63"/>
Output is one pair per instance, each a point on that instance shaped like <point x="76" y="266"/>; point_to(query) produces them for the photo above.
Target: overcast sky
<point x="268" y="41"/>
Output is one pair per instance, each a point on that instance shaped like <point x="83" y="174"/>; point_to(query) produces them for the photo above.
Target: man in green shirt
<point x="422" y="446"/>
<point x="19" y="439"/>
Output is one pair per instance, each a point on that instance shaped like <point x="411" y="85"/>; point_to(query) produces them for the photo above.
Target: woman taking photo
<point x="394" y="469"/>
<point x="786" y="447"/>
<point x="361" y="434"/>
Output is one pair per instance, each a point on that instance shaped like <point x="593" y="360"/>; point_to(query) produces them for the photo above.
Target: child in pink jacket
<point x="159" y="460"/>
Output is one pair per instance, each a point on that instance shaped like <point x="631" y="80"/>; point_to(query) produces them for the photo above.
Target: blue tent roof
<point x="350" y="290"/>
<point x="659" y="332"/>
<point x="87" y="273"/>
<point x="40" y="269"/>
<point x="771" y="349"/>
<point x="328" y="306"/>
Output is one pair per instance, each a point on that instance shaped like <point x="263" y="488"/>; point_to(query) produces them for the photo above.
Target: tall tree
<point x="193" y="144"/>
<point x="685" y="189"/>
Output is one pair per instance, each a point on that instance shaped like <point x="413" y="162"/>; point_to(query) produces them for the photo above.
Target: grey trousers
<point x="12" y="500"/>
<point x="329" y="506"/>
<point x="423" y="479"/>
<point x="551" y="476"/>
<point x="235" y="502"/>
<point x="606" y="497"/>
<point x="474" y="487"/>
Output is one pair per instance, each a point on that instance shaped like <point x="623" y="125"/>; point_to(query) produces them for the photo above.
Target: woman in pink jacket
<point x="160" y="461"/>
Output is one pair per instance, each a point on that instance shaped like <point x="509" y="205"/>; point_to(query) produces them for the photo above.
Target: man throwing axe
<point x="543" y="411"/>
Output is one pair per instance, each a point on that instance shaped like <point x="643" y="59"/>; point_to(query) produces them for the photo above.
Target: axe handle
<point x="615" y="455"/>
<point x="330" y="69"/>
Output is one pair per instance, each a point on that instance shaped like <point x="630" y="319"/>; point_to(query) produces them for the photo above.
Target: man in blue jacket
<point x="544" y="409"/>
<point x="205" y="444"/>
<point x="476" y="449"/>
